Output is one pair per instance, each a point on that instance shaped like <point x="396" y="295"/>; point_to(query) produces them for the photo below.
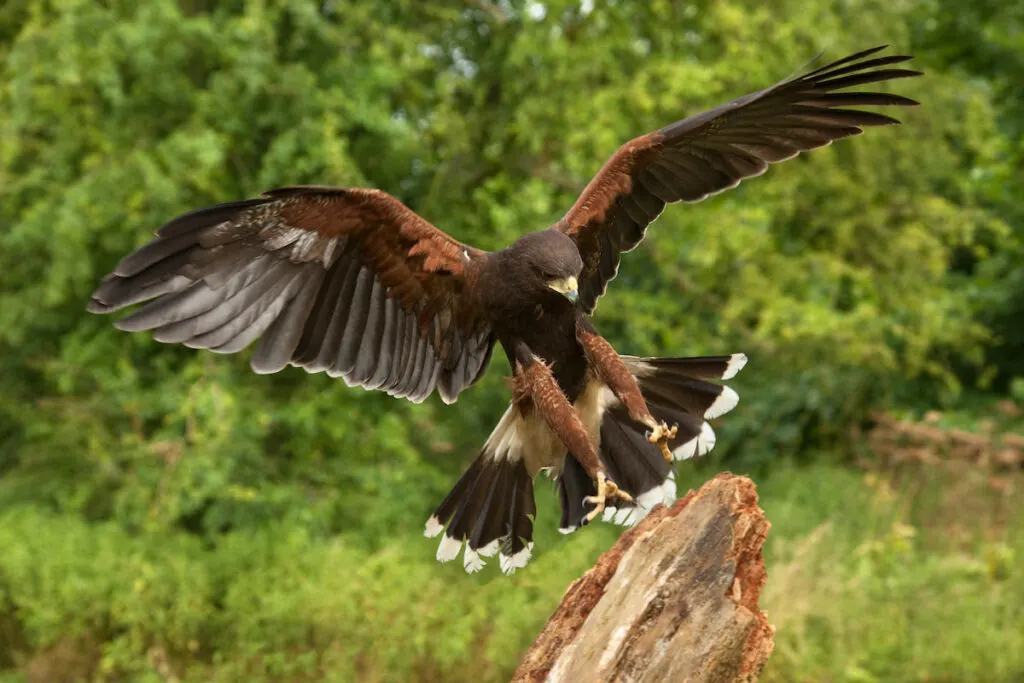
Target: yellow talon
<point x="660" y="434"/>
<point x="606" y="490"/>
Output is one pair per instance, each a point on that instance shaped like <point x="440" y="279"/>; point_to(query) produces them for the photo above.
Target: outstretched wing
<point x="710" y="152"/>
<point x="347" y="281"/>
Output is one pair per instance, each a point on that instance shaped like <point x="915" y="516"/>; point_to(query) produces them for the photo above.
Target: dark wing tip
<point x="849" y="80"/>
<point x="101" y="300"/>
<point x="856" y="69"/>
<point x="97" y="306"/>
<point x="869" y="51"/>
<point x="900" y="101"/>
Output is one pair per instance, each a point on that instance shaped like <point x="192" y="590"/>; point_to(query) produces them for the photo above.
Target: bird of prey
<point x="353" y="283"/>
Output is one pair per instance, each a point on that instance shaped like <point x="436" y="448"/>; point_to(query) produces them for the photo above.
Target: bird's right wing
<point x="710" y="152"/>
<point x="347" y="281"/>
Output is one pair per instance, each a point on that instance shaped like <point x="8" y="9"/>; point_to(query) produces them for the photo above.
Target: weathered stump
<point x="674" y="600"/>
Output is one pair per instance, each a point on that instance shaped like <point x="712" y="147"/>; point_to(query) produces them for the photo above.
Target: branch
<point x="674" y="600"/>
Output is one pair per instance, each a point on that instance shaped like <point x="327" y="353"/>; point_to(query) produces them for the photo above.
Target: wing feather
<point x="370" y="344"/>
<point x="327" y="358"/>
<point x="387" y="346"/>
<point x="713" y="151"/>
<point x="400" y="351"/>
<point x="277" y="344"/>
<point x="347" y="281"/>
<point x="355" y="323"/>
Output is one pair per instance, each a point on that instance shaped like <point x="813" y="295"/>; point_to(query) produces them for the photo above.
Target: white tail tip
<point x="725" y="402"/>
<point x="448" y="549"/>
<point x="433" y="527"/>
<point x="735" y="364"/>
<point x="698" y="445"/>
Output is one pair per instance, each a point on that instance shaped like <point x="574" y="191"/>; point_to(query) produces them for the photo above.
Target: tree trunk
<point x="674" y="600"/>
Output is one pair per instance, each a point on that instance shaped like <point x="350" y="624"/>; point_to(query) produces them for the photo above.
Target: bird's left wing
<point x="347" y="281"/>
<point x="711" y="152"/>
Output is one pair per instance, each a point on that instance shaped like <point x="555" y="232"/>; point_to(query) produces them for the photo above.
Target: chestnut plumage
<point x="353" y="283"/>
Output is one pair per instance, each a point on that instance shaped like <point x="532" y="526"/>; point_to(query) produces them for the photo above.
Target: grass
<point x="901" y="575"/>
<point x="907" y="575"/>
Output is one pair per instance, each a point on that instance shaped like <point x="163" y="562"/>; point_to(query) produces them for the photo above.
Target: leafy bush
<point x="872" y="577"/>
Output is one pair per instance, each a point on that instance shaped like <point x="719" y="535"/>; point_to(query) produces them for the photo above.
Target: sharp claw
<point x="606" y="490"/>
<point x="660" y="434"/>
<point x="615" y="492"/>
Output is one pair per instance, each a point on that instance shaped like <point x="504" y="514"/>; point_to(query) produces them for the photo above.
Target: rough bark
<point x="674" y="600"/>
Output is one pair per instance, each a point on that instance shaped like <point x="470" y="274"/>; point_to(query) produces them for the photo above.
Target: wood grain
<point x="674" y="600"/>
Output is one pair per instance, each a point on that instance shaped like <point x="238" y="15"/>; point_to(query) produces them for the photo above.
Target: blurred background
<point x="166" y="515"/>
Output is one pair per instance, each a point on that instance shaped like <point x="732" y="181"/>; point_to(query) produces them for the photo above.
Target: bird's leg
<point x="605" y="361"/>
<point x="534" y="382"/>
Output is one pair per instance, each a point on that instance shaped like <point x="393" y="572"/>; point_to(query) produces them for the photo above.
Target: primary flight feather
<point x="354" y="283"/>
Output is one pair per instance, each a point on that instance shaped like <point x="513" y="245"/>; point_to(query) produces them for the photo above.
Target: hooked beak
<point x="567" y="287"/>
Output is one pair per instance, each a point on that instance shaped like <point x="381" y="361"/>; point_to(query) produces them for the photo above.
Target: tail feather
<point x="517" y="546"/>
<point x="489" y="527"/>
<point x="621" y="437"/>
<point x="632" y="462"/>
<point x="702" y="367"/>
<point x="574" y="484"/>
<point x="491" y="508"/>
<point x="695" y="396"/>
<point x="693" y="436"/>
<point x="677" y="392"/>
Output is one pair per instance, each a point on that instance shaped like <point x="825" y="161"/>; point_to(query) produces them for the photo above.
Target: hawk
<point x="353" y="283"/>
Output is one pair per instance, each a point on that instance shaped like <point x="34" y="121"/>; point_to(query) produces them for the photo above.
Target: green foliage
<point x="884" y="270"/>
<point x="879" y="591"/>
<point x="273" y="603"/>
<point x="873" y="578"/>
<point x="982" y="41"/>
